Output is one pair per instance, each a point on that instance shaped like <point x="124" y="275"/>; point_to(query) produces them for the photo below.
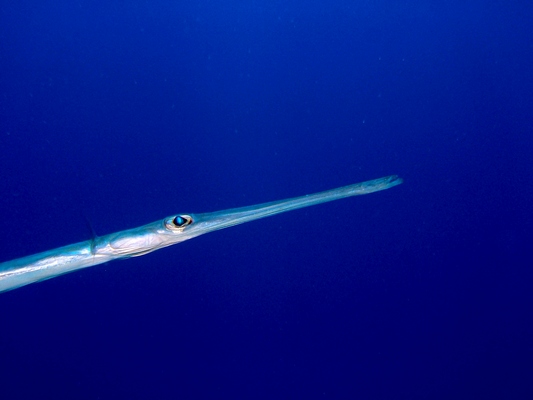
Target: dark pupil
<point x="179" y="221"/>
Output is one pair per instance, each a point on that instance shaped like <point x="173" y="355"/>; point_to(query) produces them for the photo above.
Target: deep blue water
<point x="125" y="112"/>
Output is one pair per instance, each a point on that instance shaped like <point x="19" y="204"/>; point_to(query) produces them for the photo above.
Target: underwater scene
<point x="140" y="141"/>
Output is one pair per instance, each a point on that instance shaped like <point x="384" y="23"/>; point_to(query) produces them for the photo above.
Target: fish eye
<point x="178" y="222"/>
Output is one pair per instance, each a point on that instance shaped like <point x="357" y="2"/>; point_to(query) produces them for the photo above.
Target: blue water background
<point x="122" y="113"/>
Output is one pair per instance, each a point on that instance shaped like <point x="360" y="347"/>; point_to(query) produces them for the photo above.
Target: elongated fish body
<point x="156" y="235"/>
